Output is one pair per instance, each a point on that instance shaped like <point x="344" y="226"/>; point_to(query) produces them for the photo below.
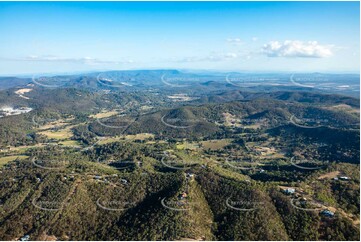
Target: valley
<point x="154" y="161"/>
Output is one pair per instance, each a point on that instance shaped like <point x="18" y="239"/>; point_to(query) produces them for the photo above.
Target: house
<point x="303" y="200"/>
<point x="183" y="196"/>
<point x="289" y="190"/>
<point x="97" y="177"/>
<point x="124" y="181"/>
<point x="25" y="238"/>
<point x="189" y="175"/>
<point x="344" y="178"/>
<point x="327" y="213"/>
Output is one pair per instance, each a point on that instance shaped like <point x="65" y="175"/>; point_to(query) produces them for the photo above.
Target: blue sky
<point x="49" y="37"/>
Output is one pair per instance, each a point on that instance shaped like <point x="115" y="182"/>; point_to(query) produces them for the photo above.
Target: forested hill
<point x="132" y="156"/>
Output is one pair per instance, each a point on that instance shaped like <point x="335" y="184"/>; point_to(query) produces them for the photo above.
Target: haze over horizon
<point x="61" y="37"/>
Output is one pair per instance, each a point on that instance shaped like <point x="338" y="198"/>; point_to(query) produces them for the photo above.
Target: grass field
<point x="215" y="144"/>
<point x="109" y="140"/>
<point x="141" y="136"/>
<point x="54" y="124"/>
<point x="59" y="134"/>
<point x="104" y="114"/>
<point x="253" y="126"/>
<point x="155" y="142"/>
<point x="70" y="143"/>
<point x="186" y="145"/>
<point x="6" y="159"/>
<point x="25" y="147"/>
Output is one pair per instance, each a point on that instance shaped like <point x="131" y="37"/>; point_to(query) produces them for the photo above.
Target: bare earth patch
<point x="21" y="92"/>
<point x="329" y="175"/>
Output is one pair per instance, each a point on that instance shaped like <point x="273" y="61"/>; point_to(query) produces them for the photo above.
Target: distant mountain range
<point x="346" y="84"/>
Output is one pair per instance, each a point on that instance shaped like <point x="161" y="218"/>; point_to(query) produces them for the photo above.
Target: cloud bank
<point x="296" y="48"/>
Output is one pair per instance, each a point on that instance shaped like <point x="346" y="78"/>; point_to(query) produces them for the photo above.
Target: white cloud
<point x="82" y="60"/>
<point x="211" y="58"/>
<point x="234" y="41"/>
<point x="230" y="55"/>
<point x="254" y="39"/>
<point x="296" y="48"/>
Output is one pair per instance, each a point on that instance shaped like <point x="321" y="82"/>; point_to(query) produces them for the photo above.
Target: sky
<point x="66" y="37"/>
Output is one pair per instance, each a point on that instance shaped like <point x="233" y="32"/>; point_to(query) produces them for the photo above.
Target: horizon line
<point x="24" y="75"/>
